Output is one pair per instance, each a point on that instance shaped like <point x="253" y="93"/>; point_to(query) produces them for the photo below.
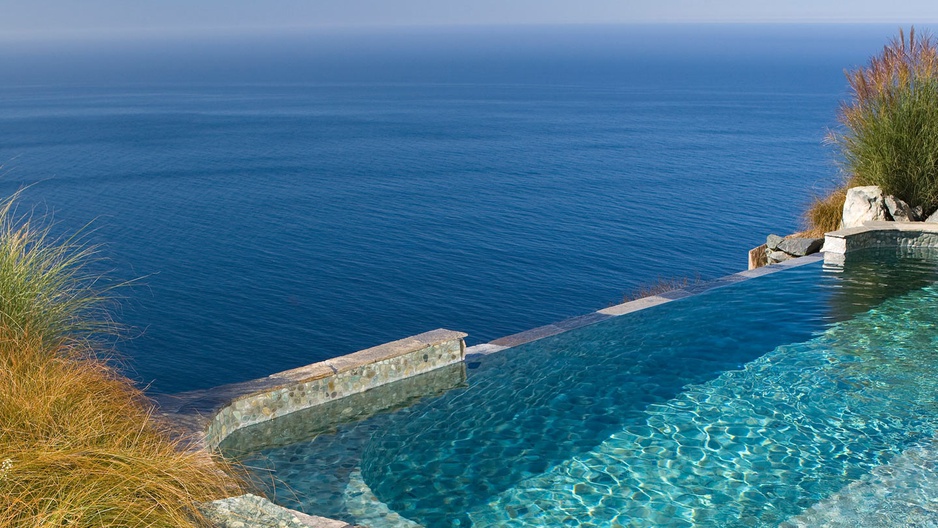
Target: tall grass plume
<point x="825" y="213"/>
<point x="889" y="125"/>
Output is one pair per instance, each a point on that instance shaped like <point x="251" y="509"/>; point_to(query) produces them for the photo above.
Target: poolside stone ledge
<point x="212" y="414"/>
<point x="879" y="234"/>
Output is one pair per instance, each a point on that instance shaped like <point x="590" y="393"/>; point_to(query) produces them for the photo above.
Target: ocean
<point x="286" y="198"/>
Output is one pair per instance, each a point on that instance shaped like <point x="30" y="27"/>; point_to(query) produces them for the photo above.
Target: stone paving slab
<point x="634" y="306"/>
<point x="483" y="350"/>
<point x="582" y="320"/>
<point x="527" y="336"/>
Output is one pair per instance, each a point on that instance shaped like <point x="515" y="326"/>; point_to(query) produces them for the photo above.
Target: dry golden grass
<point x="79" y="446"/>
<point x="84" y="450"/>
<point x="662" y="285"/>
<point x="825" y="214"/>
<point x="902" y="63"/>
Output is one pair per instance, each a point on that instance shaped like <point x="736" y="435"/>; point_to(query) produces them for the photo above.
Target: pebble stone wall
<point x="215" y="413"/>
<point x="340" y="377"/>
<point x="900" y="235"/>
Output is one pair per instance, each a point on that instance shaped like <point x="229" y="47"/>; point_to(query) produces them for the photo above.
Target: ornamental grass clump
<point x="889" y="126"/>
<point x="79" y="444"/>
<point x="825" y="214"/>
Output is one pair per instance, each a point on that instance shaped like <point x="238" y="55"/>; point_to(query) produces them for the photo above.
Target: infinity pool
<point x="740" y="406"/>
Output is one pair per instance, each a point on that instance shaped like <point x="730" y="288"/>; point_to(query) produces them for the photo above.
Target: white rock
<point x="251" y="511"/>
<point x="863" y="204"/>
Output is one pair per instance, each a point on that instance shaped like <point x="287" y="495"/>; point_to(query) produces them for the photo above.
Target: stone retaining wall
<point x="899" y="235"/>
<point x="213" y="414"/>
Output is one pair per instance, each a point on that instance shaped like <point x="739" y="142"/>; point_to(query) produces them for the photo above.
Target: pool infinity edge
<point x="210" y="415"/>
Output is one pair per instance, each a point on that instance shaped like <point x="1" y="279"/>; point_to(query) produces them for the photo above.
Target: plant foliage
<point x="79" y="443"/>
<point x="889" y="133"/>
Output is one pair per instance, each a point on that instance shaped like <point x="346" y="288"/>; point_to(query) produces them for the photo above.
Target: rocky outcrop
<point x="867" y="204"/>
<point x="779" y="249"/>
<point x="864" y="204"/>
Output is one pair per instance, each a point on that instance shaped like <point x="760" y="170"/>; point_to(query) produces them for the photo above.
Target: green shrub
<point x="46" y="290"/>
<point x="889" y="134"/>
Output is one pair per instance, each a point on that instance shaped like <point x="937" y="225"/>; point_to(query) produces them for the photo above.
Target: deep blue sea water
<point x="289" y="198"/>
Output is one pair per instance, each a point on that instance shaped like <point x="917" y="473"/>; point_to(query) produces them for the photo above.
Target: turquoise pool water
<point x="740" y="406"/>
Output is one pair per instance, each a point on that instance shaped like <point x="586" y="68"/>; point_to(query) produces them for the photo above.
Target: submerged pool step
<point x="903" y="492"/>
<point x="757" y="445"/>
<point x="367" y="510"/>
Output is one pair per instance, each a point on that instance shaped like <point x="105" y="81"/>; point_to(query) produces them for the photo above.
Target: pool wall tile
<point x="215" y="413"/>
<point x="308" y="423"/>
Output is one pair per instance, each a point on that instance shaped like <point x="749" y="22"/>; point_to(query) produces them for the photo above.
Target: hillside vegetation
<point x="888" y="133"/>
<point x="79" y="443"/>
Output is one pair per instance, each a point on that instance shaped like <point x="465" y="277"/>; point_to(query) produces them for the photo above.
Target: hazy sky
<point x="105" y="16"/>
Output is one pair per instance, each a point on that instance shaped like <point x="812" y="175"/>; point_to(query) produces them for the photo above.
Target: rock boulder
<point x="774" y="257"/>
<point x="799" y="247"/>
<point x="899" y="210"/>
<point x="864" y="204"/>
<point x="779" y="249"/>
<point x="772" y="241"/>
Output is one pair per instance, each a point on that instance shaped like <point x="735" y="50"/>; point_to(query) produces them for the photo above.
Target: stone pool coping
<point x="211" y="415"/>
<point x="513" y="340"/>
